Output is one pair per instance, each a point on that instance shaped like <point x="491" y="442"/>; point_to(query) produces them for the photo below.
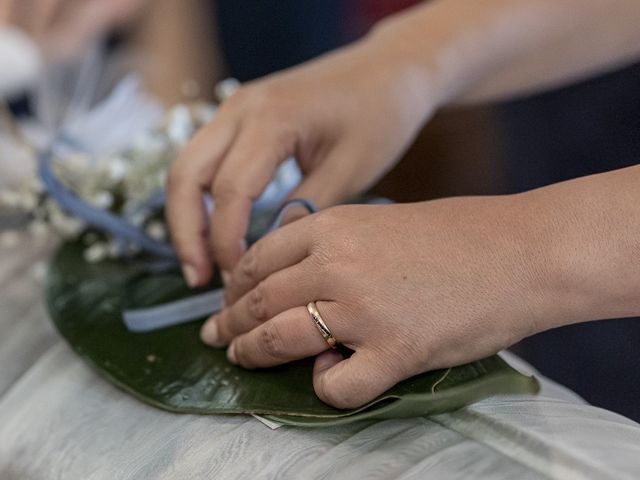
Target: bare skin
<point x="63" y="28"/>
<point x="418" y="286"/>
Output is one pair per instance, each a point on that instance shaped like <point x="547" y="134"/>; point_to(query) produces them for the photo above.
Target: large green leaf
<point x="173" y="370"/>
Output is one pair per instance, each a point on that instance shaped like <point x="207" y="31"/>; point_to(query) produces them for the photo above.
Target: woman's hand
<point x="409" y="288"/>
<point x="345" y="118"/>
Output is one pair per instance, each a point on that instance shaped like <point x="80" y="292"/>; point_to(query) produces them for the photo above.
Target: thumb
<point x="352" y="382"/>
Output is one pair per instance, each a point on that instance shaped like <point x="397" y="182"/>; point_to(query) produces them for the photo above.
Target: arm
<point x="590" y="230"/>
<point x="175" y="47"/>
<point x="348" y="116"/>
<point x="492" y="49"/>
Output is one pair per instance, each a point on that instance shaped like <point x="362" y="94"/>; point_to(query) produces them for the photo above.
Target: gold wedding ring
<point x="324" y="330"/>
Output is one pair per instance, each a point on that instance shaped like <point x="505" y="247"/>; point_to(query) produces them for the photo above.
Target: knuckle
<point x="263" y="97"/>
<point x="256" y="303"/>
<point x="328" y="223"/>
<point x="321" y="257"/>
<point x="175" y="176"/>
<point x="237" y="99"/>
<point x="249" y="264"/>
<point x="268" y="99"/>
<point x="225" y="328"/>
<point x="272" y="342"/>
<point x="336" y="241"/>
<point x="225" y="190"/>
<point x="240" y="94"/>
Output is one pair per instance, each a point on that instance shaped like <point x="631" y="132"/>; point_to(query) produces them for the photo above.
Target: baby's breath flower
<point x="96" y="252"/>
<point x="39" y="228"/>
<point x="156" y="230"/>
<point x="119" y="183"/>
<point x="102" y="199"/>
<point x="9" y="199"/>
<point x="118" y="168"/>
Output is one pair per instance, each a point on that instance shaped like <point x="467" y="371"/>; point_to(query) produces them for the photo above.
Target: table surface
<point x="60" y="419"/>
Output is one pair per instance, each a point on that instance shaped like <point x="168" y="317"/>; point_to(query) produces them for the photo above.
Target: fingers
<point x="330" y="183"/>
<point x="292" y="335"/>
<point x="280" y="249"/>
<point x="352" y="382"/>
<point x="279" y="292"/>
<point x="290" y="243"/>
<point x="190" y="175"/>
<point x="289" y="336"/>
<point x="247" y="170"/>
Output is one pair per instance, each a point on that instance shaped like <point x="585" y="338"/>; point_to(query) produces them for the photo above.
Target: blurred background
<point x="58" y="58"/>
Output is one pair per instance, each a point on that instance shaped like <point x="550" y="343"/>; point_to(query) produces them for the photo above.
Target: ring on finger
<point x="322" y="327"/>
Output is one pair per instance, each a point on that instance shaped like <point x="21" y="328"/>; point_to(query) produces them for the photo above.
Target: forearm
<point x="583" y="239"/>
<point x="491" y="49"/>
<point x="169" y="70"/>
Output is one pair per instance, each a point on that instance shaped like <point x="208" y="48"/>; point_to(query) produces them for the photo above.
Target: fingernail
<point x="226" y="276"/>
<point x="190" y="275"/>
<point x="209" y="332"/>
<point x="231" y="353"/>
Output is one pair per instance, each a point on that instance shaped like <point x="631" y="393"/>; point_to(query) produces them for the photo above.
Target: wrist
<point x="413" y="60"/>
<point x="583" y="236"/>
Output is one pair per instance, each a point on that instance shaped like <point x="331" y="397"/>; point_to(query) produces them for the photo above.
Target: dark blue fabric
<point x="587" y="128"/>
<point x="259" y="37"/>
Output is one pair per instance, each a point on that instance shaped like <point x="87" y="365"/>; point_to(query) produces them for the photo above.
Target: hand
<point x="63" y="28"/>
<point x="345" y="118"/>
<point x="408" y="288"/>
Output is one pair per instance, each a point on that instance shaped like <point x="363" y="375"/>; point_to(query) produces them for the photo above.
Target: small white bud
<point x="96" y="252"/>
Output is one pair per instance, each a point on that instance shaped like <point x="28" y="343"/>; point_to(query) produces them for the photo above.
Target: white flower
<point x="180" y="125"/>
<point x="156" y="230"/>
<point x="39" y="228"/>
<point x="96" y="252"/>
<point x="68" y="227"/>
<point x="226" y="88"/>
<point x="102" y="199"/>
<point x="9" y="198"/>
<point x="76" y="162"/>
<point x="115" y="182"/>
<point x="138" y="219"/>
<point x="27" y="200"/>
<point x="117" y="168"/>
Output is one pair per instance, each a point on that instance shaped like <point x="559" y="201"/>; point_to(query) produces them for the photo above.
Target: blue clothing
<point x="259" y="37"/>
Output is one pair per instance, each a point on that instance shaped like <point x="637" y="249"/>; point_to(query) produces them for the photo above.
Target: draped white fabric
<point x="60" y="419"/>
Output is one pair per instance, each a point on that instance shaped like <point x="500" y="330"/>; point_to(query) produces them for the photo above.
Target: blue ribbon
<point x="164" y="256"/>
<point x="195" y="306"/>
<point x="121" y="230"/>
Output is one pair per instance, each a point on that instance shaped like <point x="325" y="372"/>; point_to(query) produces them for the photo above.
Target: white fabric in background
<point x="20" y="61"/>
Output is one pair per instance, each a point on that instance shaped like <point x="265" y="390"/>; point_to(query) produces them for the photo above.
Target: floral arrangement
<point x="121" y="183"/>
